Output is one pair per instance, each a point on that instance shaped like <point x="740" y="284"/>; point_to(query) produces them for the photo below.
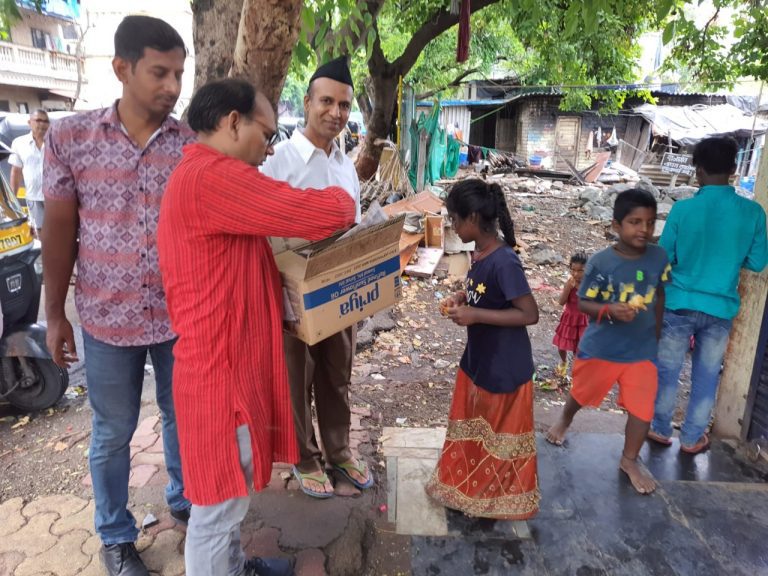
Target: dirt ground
<point x="405" y="377"/>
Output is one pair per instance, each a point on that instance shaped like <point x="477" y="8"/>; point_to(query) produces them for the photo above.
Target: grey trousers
<point x="213" y="536"/>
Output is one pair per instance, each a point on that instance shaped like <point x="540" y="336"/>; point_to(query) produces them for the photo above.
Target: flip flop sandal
<point x="315" y="477"/>
<point x="361" y="468"/>
<point x="700" y="446"/>
<point x="658" y="438"/>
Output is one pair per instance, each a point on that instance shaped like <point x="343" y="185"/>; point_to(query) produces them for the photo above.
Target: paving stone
<point x="147" y="426"/>
<point x="141" y="474"/>
<point x="159" y="479"/>
<point x="64" y="505"/>
<point x="360" y="411"/>
<point x="145" y="441"/>
<point x="356" y="424"/>
<point x="87" y="480"/>
<point x="9" y="561"/>
<point x="359" y="437"/>
<point x="144" y="541"/>
<point x="157" y="447"/>
<point x="33" y="538"/>
<point x="152" y="458"/>
<point x="83" y="520"/>
<point x="11" y="518"/>
<point x="95" y="568"/>
<point x="92" y="546"/>
<point x="264" y="543"/>
<point x="164" y="555"/>
<point x="310" y="563"/>
<point x="63" y="559"/>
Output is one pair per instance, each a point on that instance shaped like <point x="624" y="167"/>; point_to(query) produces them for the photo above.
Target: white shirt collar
<point x="306" y="149"/>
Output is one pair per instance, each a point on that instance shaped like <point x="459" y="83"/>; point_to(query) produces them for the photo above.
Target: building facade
<point x="99" y="20"/>
<point x="39" y="67"/>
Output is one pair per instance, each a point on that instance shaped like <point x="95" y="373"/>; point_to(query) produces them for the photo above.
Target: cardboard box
<point x="329" y="286"/>
<point x="433" y="231"/>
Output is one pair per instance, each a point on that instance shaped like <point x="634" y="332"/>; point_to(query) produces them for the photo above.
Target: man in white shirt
<point x="27" y="165"/>
<point x="312" y="159"/>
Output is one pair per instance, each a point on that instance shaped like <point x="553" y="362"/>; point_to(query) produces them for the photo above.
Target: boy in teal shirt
<point x="708" y="238"/>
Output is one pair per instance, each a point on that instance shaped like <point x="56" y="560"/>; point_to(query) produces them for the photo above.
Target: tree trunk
<point x="384" y="98"/>
<point x="384" y="76"/>
<point x="216" y="24"/>
<point x="265" y="40"/>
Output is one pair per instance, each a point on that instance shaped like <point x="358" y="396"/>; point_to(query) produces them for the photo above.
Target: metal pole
<point x="399" y="110"/>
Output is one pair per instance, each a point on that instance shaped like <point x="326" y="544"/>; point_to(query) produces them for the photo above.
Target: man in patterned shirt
<point x="105" y="174"/>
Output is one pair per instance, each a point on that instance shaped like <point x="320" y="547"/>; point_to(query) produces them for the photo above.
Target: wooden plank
<point x="425" y="202"/>
<point x="408" y="245"/>
<point x="600" y="161"/>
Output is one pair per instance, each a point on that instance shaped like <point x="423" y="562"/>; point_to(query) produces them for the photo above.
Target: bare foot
<point x="641" y="479"/>
<point x="556" y="434"/>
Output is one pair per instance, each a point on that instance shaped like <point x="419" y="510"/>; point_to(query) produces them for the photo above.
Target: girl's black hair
<point x="475" y="196"/>
<point x="578" y="258"/>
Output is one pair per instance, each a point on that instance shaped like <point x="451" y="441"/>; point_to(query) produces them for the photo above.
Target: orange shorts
<point x="593" y="379"/>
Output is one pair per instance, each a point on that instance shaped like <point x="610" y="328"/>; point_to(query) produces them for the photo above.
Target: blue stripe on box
<point x="352" y="283"/>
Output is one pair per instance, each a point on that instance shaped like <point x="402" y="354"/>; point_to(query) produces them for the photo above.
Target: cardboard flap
<point x="369" y="241"/>
<point x="292" y="263"/>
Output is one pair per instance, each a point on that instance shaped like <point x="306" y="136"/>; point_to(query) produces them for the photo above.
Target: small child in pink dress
<point x="573" y="323"/>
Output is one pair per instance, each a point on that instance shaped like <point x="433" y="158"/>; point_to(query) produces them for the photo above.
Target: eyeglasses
<point x="269" y="141"/>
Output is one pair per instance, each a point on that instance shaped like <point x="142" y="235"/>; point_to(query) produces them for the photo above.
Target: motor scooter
<point x="29" y="379"/>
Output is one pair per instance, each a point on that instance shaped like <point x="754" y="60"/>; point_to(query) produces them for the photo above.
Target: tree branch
<point x="431" y="29"/>
<point x="455" y="82"/>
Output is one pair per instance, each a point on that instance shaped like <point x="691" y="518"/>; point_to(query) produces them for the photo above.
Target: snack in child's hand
<point x="445" y="303"/>
<point x="638" y="302"/>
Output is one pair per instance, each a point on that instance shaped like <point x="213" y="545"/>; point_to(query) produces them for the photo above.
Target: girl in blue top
<point x="488" y="464"/>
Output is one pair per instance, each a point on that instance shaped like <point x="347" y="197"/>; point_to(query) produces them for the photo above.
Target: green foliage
<point x="573" y="45"/>
<point x="495" y="48"/>
<point x="731" y="43"/>
<point x="9" y="14"/>
<point x="585" y="43"/>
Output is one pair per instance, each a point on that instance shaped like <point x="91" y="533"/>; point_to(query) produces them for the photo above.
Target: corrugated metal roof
<point x="517" y="94"/>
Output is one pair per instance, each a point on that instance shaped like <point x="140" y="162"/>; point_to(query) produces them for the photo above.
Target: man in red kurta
<point x="224" y="298"/>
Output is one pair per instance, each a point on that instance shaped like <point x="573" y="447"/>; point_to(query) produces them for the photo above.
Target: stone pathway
<point x="54" y="536"/>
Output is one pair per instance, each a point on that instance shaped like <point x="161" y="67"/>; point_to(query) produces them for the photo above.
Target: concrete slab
<point x="593" y="523"/>
<point x="412" y="438"/>
<point x="416" y="513"/>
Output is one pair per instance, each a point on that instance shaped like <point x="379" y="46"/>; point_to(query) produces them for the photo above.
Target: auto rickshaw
<point x="29" y="379"/>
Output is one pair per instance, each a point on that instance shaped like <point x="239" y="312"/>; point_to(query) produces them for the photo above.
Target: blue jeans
<point x="711" y="339"/>
<point x="115" y="375"/>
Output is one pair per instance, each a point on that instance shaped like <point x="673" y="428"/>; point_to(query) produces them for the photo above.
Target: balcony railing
<point x="27" y="60"/>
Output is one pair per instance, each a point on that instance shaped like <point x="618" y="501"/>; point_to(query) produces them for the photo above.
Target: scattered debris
<point x="149" y="521"/>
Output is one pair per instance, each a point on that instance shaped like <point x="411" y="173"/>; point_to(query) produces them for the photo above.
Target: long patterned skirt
<point x="488" y="464"/>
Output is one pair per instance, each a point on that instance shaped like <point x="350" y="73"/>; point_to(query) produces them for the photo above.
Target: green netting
<point x="436" y="155"/>
<point x="436" y="147"/>
<point x="452" y="158"/>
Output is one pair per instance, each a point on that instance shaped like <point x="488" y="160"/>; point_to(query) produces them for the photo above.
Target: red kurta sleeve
<point x="242" y="200"/>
